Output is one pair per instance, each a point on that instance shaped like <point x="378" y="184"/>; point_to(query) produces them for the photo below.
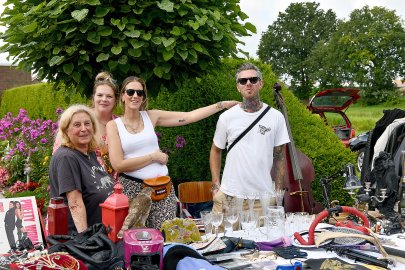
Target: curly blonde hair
<point x="66" y="119"/>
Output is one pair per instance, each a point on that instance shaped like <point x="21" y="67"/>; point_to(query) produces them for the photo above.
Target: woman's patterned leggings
<point x="160" y="211"/>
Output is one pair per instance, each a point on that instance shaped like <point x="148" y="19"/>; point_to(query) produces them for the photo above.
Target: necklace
<point x="131" y="129"/>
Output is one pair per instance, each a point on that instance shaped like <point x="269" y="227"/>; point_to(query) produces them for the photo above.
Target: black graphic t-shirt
<point x="72" y="170"/>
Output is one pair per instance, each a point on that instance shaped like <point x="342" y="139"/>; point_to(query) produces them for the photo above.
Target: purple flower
<point x="26" y="120"/>
<point x="23" y="113"/>
<point x="180" y="142"/>
<point x="44" y="140"/>
<point x="34" y="134"/>
<point x="58" y="111"/>
<point x="20" y="146"/>
<point x="16" y="129"/>
<point x="6" y="124"/>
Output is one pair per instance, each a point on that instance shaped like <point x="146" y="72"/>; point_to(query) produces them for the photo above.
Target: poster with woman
<point x="19" y="219"/>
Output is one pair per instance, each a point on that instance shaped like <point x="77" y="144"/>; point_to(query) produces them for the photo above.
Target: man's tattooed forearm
<point x="278" y="153"/>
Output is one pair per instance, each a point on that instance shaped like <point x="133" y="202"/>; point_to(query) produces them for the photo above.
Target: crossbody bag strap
<point x="248" y="128"/>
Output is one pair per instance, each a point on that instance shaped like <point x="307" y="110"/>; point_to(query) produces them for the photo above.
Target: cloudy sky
<point x="262" y="13"/>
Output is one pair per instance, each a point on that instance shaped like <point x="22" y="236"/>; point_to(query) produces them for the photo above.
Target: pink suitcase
<point x="143" y="246"/>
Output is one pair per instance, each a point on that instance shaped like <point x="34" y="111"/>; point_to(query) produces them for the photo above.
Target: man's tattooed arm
<point x="279" y="166"/>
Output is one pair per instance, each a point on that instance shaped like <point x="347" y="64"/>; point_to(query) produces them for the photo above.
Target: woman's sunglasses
<point x="253" y="80"/>
<point x="139" y="93"/>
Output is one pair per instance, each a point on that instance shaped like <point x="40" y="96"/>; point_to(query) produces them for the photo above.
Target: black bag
<point x="24" y="243"/>
<point x="92" y="246"/>
<point x="385" y="177"/>
<point x="235" y="243"/>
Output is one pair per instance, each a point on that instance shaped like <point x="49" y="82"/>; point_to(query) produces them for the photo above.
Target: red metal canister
<point x="58" y="214"/>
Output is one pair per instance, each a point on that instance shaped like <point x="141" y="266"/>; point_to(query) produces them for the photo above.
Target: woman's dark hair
<point x="129" y="79"/>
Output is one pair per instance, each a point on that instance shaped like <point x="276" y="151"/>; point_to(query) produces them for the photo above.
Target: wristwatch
<point x="214" y="187"/>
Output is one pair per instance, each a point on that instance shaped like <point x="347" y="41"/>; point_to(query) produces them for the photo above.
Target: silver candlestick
<point x="379" y="198"/>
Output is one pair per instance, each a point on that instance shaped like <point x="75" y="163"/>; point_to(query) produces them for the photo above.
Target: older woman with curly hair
<point x="74" y="172"/>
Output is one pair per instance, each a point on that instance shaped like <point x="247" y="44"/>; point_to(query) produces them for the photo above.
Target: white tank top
<point x="141" y="144"/>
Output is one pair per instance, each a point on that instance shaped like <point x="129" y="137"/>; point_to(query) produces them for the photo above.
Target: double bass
<point x="300" y="171"/>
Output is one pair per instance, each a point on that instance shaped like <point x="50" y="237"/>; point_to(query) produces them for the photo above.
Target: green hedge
<point x="191" y="163"/>
<point x="310" y="134"/>
<point x="38" y="99"/>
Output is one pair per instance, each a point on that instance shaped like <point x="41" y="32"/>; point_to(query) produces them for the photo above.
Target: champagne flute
<point x="265" y="198"/>
<point x="238" y="203"/>
<point x="279" y="197"/>
<point x="253" y="222"/>
<point x="216" y="220"/>
<point x="250" y="197"/>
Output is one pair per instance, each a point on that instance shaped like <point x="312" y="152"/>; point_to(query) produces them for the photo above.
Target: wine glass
<point x="216" y="220"/>
<point x="232" y="216"/>
<point x="206" y="219"/>
<point x="248" y="220"/>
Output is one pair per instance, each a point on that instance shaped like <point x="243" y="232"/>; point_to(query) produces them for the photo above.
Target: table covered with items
<point x="239" y="237"/>
<point x="182" y="245"/>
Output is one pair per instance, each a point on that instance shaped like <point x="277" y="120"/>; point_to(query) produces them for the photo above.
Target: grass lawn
<point x="364" y="117"/>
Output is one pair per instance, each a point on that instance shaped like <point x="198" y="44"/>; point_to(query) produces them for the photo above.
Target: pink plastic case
<point x="143" y="245"/>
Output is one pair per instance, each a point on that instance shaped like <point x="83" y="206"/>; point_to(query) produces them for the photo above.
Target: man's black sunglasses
<point x="253" y="80"/>
<point x="139" y="93"/>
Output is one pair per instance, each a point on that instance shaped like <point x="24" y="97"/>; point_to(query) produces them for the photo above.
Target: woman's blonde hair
<point x="129" y="79"/>
<point x="66" y="119"/>
<point x="104" y="78"/>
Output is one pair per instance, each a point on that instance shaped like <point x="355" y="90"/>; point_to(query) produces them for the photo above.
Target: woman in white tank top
<point x="133" y="145"/>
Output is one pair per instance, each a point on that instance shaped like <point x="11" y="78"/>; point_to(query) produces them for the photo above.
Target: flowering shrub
<point x="25" y="145"/>
<point x="31" y="186"/>
<point x="4" y="176"/>
<point x="18" y="187"/>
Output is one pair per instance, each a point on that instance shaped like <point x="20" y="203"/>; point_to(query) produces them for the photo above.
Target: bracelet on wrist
<point x="214" y="187"/>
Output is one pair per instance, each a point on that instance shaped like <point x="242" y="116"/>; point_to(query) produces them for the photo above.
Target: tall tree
<point x="288" y="42"/>
<point x="164" y="41"/>
<point x="368" y="50"/>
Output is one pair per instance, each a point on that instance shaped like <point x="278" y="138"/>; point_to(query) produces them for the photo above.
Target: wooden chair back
<point x="195" y="192"/>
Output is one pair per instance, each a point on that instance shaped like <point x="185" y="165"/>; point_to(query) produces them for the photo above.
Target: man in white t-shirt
<point x="248" y="164"/>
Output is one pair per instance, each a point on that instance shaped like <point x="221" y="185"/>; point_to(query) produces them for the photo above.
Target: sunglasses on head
<point x="253" y="80"/>
<point x="139" y="93"/>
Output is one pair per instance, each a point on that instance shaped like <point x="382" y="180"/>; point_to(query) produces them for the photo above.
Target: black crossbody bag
<point x="248" y="128"/>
